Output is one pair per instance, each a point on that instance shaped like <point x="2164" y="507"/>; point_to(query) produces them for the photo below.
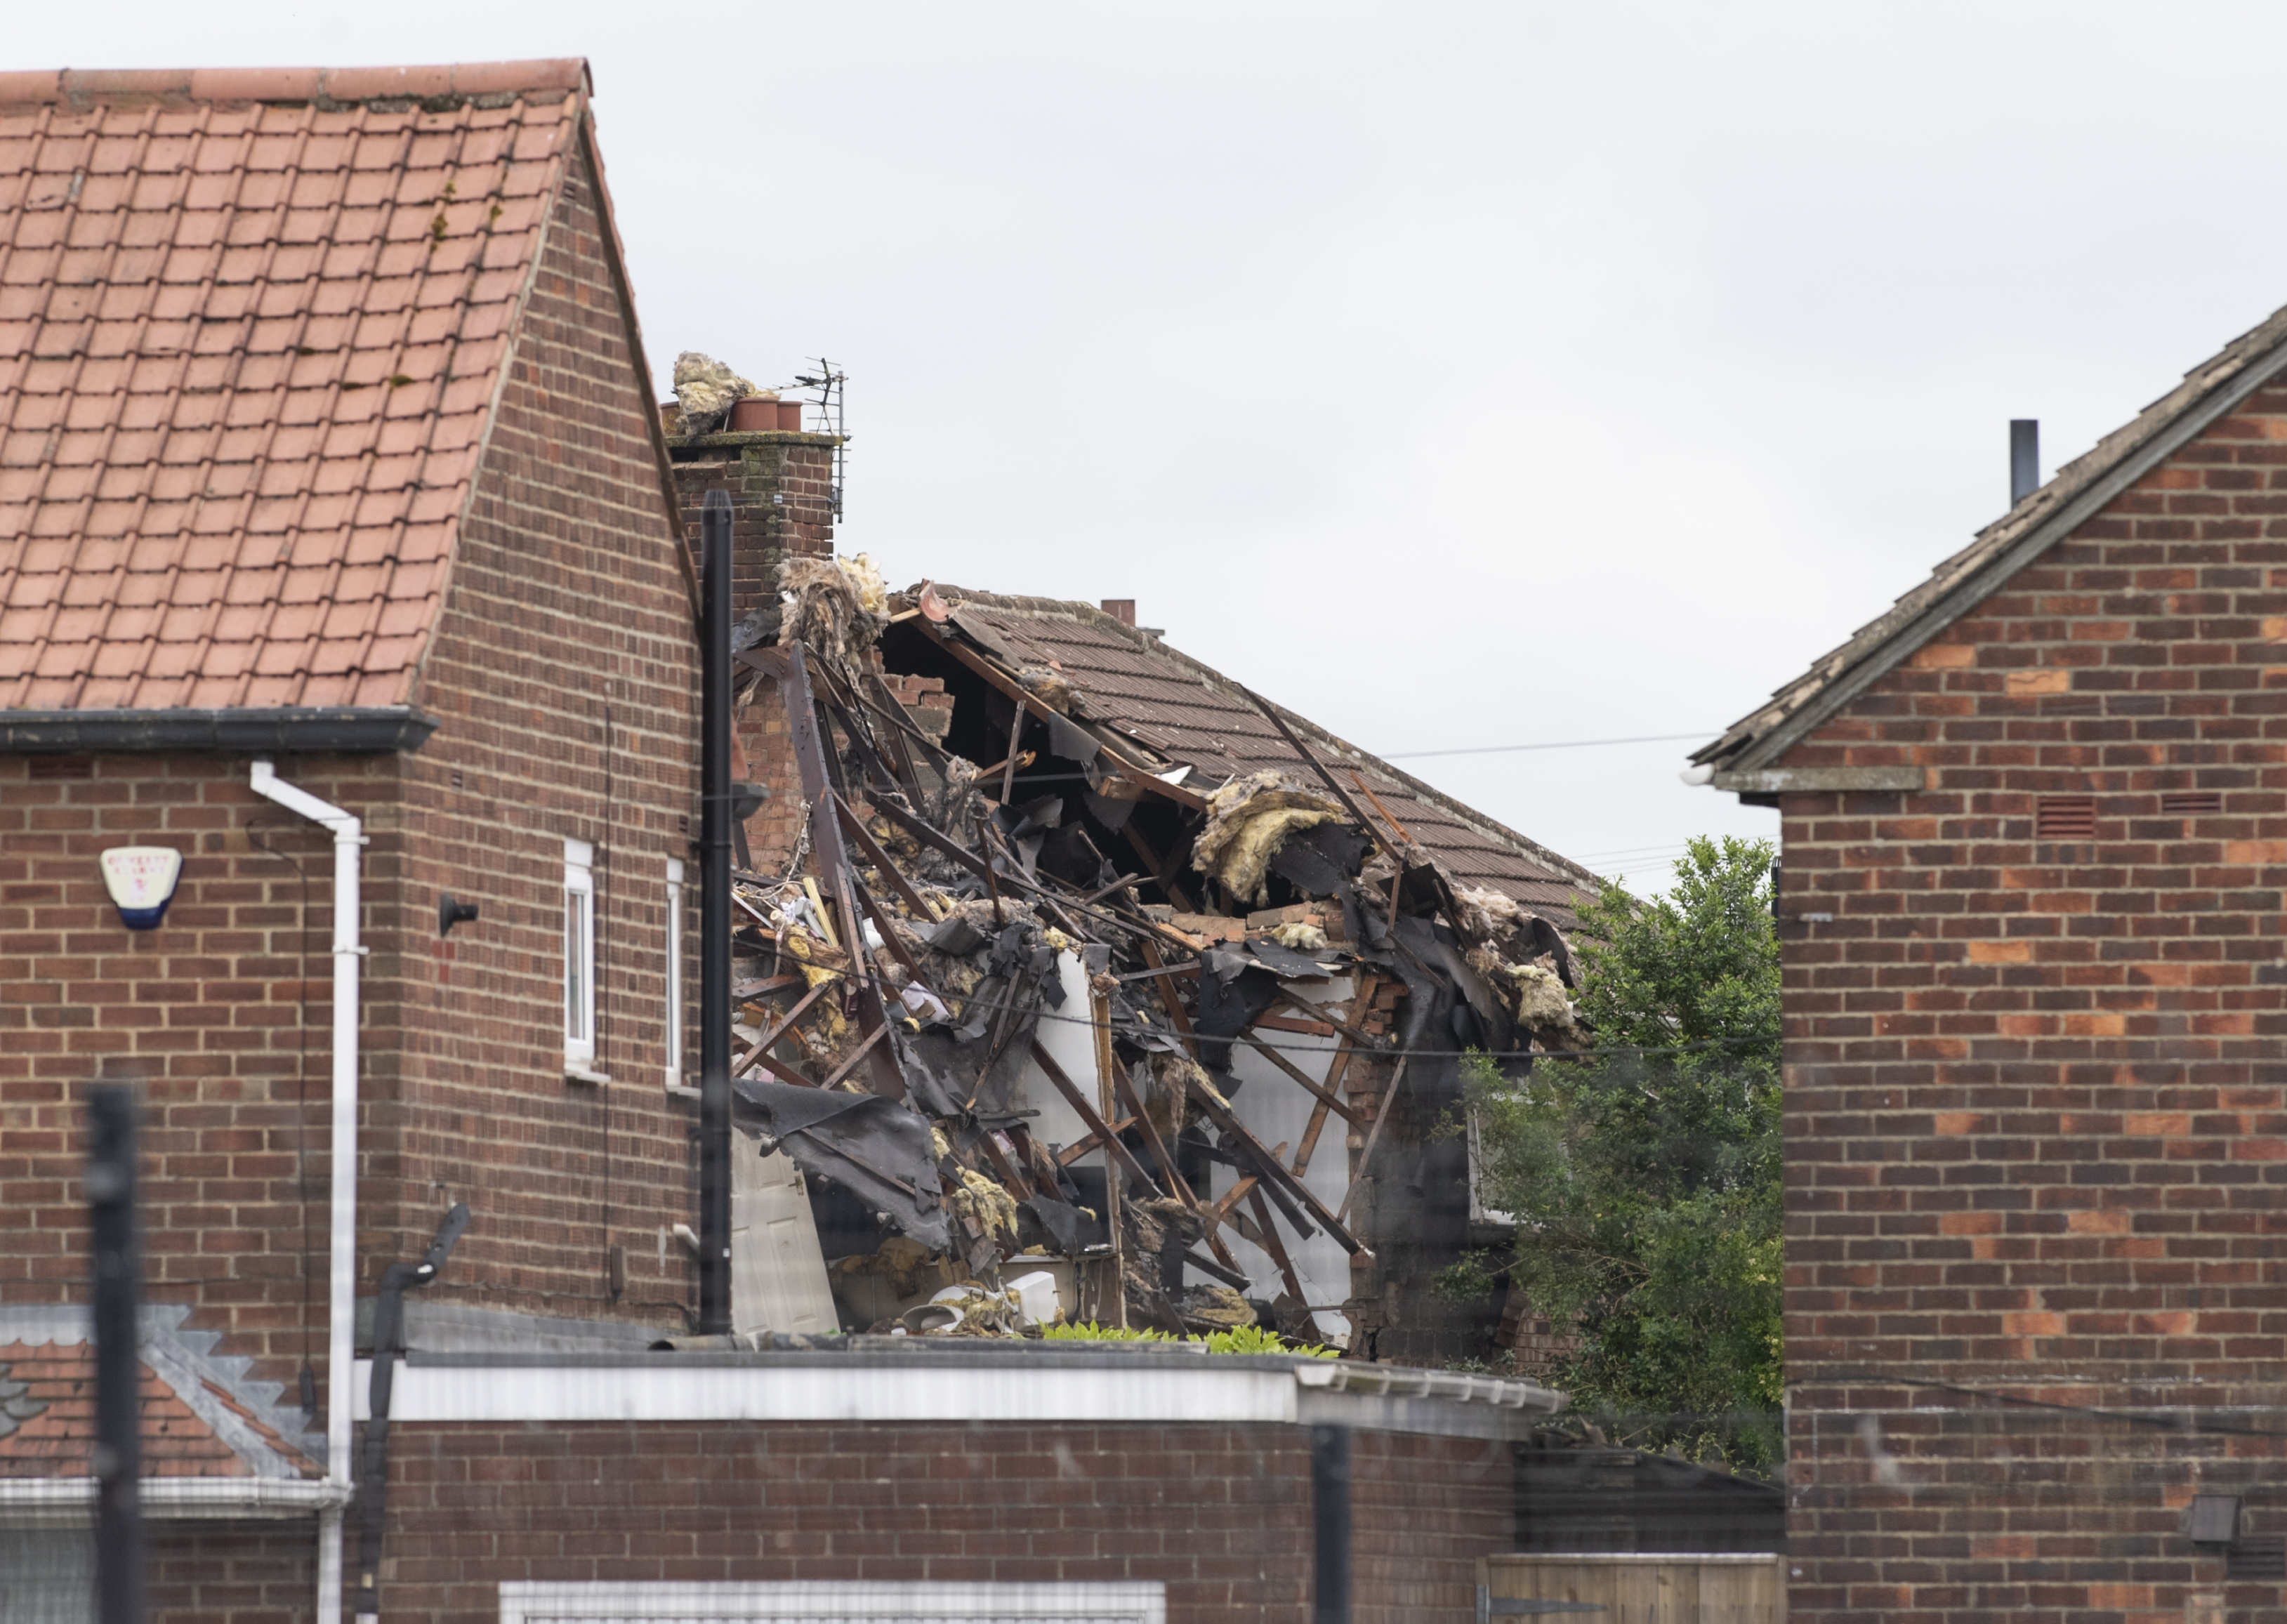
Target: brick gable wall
<point x="208" y="1016"/>
<point x="567" y="596"/>
<point x="2037" y="1108"/>
<point x="564" y="670"/>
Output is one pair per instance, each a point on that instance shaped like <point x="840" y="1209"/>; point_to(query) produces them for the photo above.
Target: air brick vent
<point x="2190" y="804"/>
<point x="2065" y="817"/>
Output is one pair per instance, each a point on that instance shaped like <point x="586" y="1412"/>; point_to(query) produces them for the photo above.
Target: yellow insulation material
<point x="1248" y="820"/>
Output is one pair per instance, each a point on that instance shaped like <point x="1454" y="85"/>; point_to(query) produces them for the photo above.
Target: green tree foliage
<point x="1645" y="1177"/>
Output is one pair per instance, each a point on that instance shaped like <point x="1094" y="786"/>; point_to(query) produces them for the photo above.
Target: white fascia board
<point x="35" y="1501"/>
<point x="1783" y="780"/>
<point x="1216" y="1391"/>
<point x="424" y="1392"/>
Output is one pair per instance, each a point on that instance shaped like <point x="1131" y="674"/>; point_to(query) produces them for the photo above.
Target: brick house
<point x="328" y="468"/>
<point x="326" y="438"/>
<point x="2034" y="850"/>
<point x="1416" y="1203"/>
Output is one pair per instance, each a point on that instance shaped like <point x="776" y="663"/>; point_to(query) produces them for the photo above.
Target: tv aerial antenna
<point x="828" y="386"/>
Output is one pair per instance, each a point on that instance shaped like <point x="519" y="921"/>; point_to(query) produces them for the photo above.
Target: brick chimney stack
<point x="1120" y="609"/>
<point x="780" y="482"/>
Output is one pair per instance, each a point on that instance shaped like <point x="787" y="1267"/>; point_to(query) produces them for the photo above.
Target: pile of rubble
<point x="902" y="967"/>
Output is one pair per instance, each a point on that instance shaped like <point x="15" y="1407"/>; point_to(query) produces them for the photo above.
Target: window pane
<point x="674" y="983"/>
<point x="575" y="966"/>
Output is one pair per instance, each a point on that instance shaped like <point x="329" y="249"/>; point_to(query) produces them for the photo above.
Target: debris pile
<point x="992" y="1010"/>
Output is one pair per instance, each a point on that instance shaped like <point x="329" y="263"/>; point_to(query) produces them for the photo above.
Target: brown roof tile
<point x="1192" y="714"/>
<point x="54" y="1416"/>
<point x="246" y="344"/>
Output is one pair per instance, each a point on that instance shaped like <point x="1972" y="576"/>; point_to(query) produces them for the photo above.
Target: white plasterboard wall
<point x="1274" y="1108"/>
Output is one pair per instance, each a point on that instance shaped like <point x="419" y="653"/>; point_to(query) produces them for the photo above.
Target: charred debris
<point x="968" y="908"/>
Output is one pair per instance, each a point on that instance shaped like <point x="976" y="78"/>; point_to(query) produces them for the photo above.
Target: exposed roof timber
<point x="1337" y="752"/>
<point x="2081" y="491"/>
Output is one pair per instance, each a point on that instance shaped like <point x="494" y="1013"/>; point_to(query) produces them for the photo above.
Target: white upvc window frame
<point x="579" y="955"/>
<point x="673" y="1046"/>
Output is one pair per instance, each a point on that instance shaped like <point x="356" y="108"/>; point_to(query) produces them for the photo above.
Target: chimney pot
<point x="2024" y="458"/>
<point x="1120" y="609"/>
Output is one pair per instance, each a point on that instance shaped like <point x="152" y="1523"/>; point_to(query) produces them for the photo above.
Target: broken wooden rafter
<point x="1080" y="1148"/>
<point x="1276" y="1249"/>
<point x="1219" y="1112"/>
<point x="1319" y="1014"/>
<point x="1134" y="1102"/>
<point x="1089" y="1116"/>
<point x="811" y="758"/>
<point x="929" y="835"/>
<point x="1301" y="1028"/>
<point x="1325" y="777"/>
<point x="890" y="875"/>
<point x="770" y="1039"/>
<point x="1321" y="1095"/>
<point x="1017" y="692"/>
<point x="1163" y="872"/>
<point x="1178" y="1015"/>
<point x="864" y="1047"/>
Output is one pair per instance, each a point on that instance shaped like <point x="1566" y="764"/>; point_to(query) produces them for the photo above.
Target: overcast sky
<point x="1459" y="375"/>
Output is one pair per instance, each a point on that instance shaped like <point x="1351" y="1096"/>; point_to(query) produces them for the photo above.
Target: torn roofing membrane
<point x="1097" y="847"/>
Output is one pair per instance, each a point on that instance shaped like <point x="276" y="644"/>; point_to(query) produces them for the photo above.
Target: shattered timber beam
<point x="1219" y="1112"/>
<point x="1160" y="1153"/>
<point x="1270" y="713"/>
<point x="792" y="670"/>
<point x="1015" y="691"/>
<point x="1090" y="1116"/>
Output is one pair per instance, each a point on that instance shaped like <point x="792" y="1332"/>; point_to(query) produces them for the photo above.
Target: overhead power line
<point x="1558" y="744"/>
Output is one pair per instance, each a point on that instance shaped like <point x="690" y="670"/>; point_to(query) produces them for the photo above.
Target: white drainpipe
<point x="341" y="1330"/>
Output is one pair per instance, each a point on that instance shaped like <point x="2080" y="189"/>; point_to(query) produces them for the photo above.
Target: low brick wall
<point x="1222" y="1515"/>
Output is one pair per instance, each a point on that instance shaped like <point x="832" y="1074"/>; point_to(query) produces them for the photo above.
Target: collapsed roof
<point x="966" y="980"/>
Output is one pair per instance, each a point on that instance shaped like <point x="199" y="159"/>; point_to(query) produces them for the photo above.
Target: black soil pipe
<point x="118" y="1456"/>
<point x="1330" y="1509"/>
<point x="715" y="921"/>
<point x="388" y="1343"/>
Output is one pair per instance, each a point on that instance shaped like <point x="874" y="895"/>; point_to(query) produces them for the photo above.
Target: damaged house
<point x="346" y="560"/>
<point x="1054" y="828"/>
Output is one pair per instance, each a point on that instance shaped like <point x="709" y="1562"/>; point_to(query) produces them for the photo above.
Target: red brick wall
<point x="205" y="1014"/>
<point x="262" y="1573"/>
<point x="567" y="598"/>
<point x="2037" y="1132"/>
<point x="1222" y="1515"/>
<point x="781" y="490"/>
<point x="564" y="671"/>
<point x="780" y="486"/>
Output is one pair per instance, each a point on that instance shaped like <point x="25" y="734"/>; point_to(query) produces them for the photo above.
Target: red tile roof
<point x="252" y="323"/>
<point x="47" y="1427"/>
